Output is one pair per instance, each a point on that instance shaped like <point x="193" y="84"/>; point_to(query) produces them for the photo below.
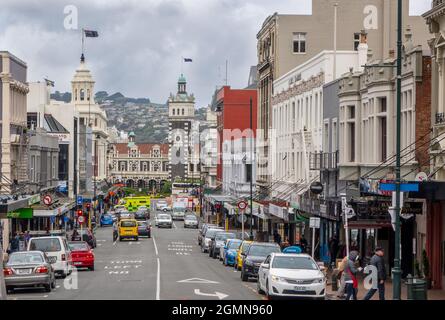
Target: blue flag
<point x="188" y="60"/>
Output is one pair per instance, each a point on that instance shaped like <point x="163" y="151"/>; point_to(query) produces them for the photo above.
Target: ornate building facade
<point x="139" y="165"/>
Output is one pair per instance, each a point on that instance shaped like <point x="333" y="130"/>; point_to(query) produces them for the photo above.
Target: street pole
<point x="242" y="225"/>
<point x="397" y="272"/>
<point x="251" y="171"/>
<point x="313" y="242"/>
<point x="2" y="278"/>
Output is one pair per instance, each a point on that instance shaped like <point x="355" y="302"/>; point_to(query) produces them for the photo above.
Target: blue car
<point x="106" y="220"/>
<point x="230" y="251"/>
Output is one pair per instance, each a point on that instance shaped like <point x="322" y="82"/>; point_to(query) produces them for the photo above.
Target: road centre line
<point x="156" y="247"/>
<point x="158" y="282"/>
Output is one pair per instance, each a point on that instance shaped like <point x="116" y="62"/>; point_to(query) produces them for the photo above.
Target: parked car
<point x="191" y="221"/>
<point x="82" y="254"/>
<point x="29" y="269"/>
<point x="57" y="250"/>
<point x="217" y="242"/>
<point x="106" y="220"/>
<point x="203" y="230"/>
<point x="256" y="255"/>
<point x="128" y="228"/>
<point x="164" y="220"/>
<point x="239" y="254"/>
<point x="229" y="252"/>
<point x="291" y="275"/>
<point x="144" y="229"/>
<point x="207" y="238"/>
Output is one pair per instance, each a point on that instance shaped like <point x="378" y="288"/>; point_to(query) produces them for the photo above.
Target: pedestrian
<point x="76" y="236"/>
<point x="27" y="237"/>
<point x="115" y="231"/>
<point x="276" y="237"/>
<point x="303" y="243"/>
<point x="341" y="275"/>
<point x="333" y="248"/>
<point x="351" y="275"/>
<point x="285" y="243"/>
<point x="378" y="261"/>
<point x="15" y="243"/>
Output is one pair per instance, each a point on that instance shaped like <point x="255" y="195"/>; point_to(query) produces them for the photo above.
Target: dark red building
<point x="233" y="106"/>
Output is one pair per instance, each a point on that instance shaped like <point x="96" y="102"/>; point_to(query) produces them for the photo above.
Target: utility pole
<point x="251" y="170"/>
<point x="396" y="271"/>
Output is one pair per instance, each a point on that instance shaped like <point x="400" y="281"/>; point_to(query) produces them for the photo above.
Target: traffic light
<point x="88" y="206"/>
<point x="79" y="213"/>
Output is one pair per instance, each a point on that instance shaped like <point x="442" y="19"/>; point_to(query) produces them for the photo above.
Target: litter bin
<point x="417" y="289"/>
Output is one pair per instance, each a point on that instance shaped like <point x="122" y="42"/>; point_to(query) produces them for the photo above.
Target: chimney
<point x="363" y="49"/>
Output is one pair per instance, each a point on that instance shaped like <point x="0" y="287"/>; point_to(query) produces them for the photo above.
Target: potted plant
<point x="426" y="268"/>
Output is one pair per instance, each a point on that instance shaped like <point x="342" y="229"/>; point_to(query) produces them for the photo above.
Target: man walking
<point x="378" y="261"/>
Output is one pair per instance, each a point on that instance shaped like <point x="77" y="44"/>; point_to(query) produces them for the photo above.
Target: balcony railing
<point x="440" y="117"/>
<point x="323" y="160"/>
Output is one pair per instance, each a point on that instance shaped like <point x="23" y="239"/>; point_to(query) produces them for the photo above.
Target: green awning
<point x="23" y="213"/>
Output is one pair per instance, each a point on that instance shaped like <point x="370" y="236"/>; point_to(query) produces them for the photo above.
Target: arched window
<point x="75" y="94"/>
<point x="82" y="94"/>
<point x="183" y="111"/>
<point x="173" y="111"/>
<point x="178" y="112"/>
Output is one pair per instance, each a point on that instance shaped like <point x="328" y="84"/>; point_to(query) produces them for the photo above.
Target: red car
<point x="82" y="255"/>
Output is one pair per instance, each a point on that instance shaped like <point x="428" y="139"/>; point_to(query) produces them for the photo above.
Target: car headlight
<point x="277" y="279"/>
<point x="318" y="280"/>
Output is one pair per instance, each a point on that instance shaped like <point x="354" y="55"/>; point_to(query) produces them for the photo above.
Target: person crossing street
<point x="378" y="261"/>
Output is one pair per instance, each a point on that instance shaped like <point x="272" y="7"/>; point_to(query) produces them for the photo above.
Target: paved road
<point x="156" y="268"/>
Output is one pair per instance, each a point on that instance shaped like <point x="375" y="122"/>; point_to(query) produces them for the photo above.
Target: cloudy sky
<point x="141" y="43"/>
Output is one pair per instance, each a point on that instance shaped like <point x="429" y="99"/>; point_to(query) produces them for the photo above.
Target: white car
<point x="57" y="250"/>
<point x="163" y="220"/>
<point x="291" y="275"/>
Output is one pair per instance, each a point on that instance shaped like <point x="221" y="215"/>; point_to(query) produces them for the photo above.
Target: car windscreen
<point x="234" y="244"/>
<point x="78" y="246"/>
<point x="294" y="263"/>
<point x="191" y="218"/>
<point x="128" y="224"/>
<point x="142" y="223"/>
<point x="221" y="236"/>
<point x="262" y="251"/>
<point x="25" y="258"/>
<point x="164" y="216"/>
<point x="45" y="245"/>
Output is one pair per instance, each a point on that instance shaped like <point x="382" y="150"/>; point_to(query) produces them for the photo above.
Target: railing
<point x="440" y="117"/>
<point x="323" y="160"/>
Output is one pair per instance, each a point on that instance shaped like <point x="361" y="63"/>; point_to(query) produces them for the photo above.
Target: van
<point x="128" y="228"/>
<point x="58" y="252"/>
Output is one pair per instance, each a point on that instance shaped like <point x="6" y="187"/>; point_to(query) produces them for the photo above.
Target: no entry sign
<point x="242" y="205"/>
<point x="81" y="219"/>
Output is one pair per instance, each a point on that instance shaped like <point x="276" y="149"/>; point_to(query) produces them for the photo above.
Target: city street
<point x="169" y="266"/>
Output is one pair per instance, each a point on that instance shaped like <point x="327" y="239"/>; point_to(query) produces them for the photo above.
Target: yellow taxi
<point x="242" y="249"/>
<point x="128" y="228"/>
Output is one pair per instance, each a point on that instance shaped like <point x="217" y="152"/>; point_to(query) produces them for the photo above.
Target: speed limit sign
<point x="81" y="219"/>
<point x="242" y="205"/>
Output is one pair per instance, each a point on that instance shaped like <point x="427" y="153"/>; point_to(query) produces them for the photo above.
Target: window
<point x="382" y="104"/>
<point x="82" y="94"/>
<point x="356" y="41"/>
<point x="173" y="111"/>
<point x="95" y="122"/>
<point x="351" y="112"/>
<point x="248" y="172"/>
<point x="183" y="111"/>
<point x="33" y="166"/>
<point x="334" y="135"/>
<point x="352" y="142"/>
<point x="299" y="42"/>
<point x="54" y="167"/>
<point x="383" y="137"/>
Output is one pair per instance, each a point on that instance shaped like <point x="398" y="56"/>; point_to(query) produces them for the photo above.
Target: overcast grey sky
<point x="141" y="42"/>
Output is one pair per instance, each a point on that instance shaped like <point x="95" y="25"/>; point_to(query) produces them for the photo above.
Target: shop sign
<point x="23" y="213"/>
<point x="379" y="209"/>
<point x="277" y="211"/>
<point x="34" y="199"/>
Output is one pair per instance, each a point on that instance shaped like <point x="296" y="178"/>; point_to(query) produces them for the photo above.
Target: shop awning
<point x="11" y="205"/>
<point x="41" y="211"/>
<point x="369" y="224"/>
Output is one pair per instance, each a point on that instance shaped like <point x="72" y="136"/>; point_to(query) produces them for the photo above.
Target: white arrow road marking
<point x="216" y="294"/>
<point x="198" y="280"/>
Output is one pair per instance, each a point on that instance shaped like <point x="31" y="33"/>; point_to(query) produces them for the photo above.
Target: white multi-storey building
<point x="297" y="117"/>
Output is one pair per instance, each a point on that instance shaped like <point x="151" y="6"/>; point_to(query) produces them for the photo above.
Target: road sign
<point x="314" y="222"/>
<point x="66" y="219"/>
<point x="47" y="200"/>
<point x="242" y="205"/>
<point x="81" y="219"/>
<point x="79" y="200"/>
<point x="421" y="176"/>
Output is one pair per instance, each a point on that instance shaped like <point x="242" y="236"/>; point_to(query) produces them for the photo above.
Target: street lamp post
<point x="251" y="170"/>
<point x="396" y="271"/>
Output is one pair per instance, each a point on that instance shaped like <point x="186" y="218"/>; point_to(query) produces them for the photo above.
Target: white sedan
<point x="291" y="275"/>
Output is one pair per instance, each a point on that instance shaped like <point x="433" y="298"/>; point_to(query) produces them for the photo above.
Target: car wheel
<point x="210" y="252"/>
<point x="91" y="268"/>
<point x="9" y="289"/>
<point x="268" y="295"/>
<point x="64" y="275"/>
<point x="136" y="239"/>
<point x="258" y="288"/>
<point x="53" y="283"/>
<point x="224" y="262"/>
<point x="214" y="256"/>
<point x="244" y="277"/>
<point x="47" y="287"/>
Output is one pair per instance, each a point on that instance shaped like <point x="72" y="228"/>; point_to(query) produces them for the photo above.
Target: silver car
<point x="29" y="269"/>
<point x="164" y="220"/>
<point x="191" y="221"/>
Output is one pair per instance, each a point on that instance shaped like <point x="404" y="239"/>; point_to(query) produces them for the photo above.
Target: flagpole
<point x="83" y="41"/>
<point x="182" y="65"/>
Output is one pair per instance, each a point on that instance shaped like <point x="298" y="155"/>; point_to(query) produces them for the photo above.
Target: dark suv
<point x="252" y="258"/>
